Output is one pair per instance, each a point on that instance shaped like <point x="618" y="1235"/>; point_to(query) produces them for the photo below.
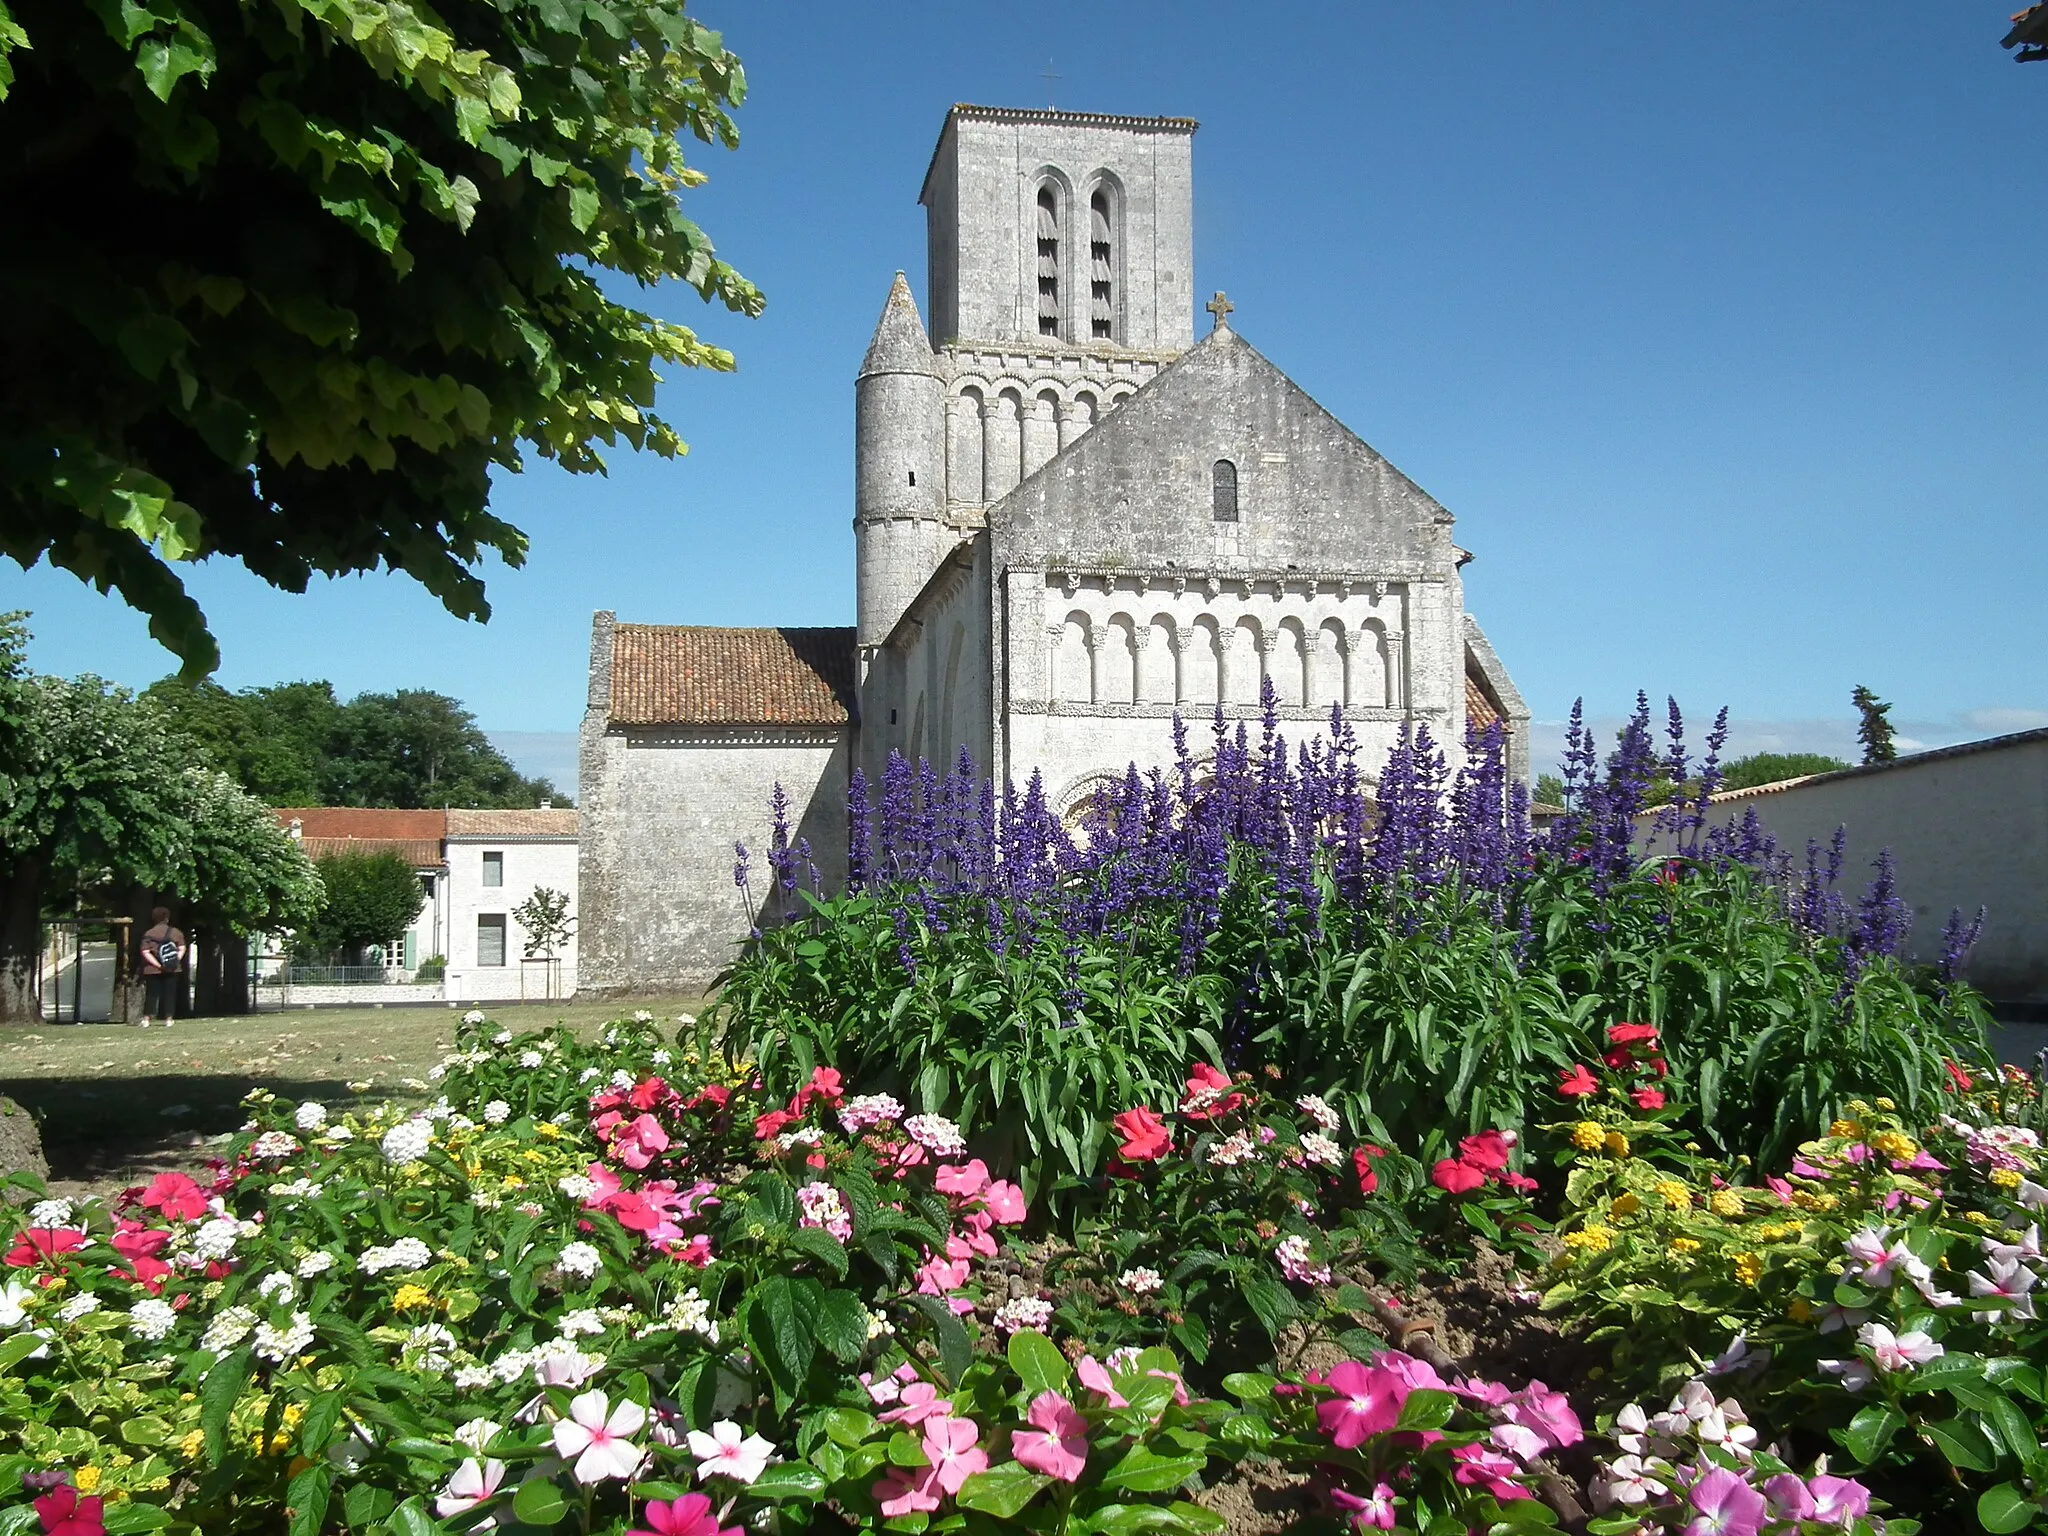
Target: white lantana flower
<point x="317" y="1263"/>
<point x="50" y="1213"/>
<point x="497" y="1112"/>
<point x="279" y="1345"/>
<point x="81" y="1305"/>
<point x="152" y="1320"/>
<point x="228" y="1328"/>
<point x="1141" y="1281"/>
<point x="407" y="1142"/>
<point x="580" y="1259"/>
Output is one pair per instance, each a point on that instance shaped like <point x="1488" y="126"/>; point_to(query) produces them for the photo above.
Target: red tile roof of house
<point x="685" y="674"/>
<point x="325" y="830"/>
<point x="1480" y="711"/>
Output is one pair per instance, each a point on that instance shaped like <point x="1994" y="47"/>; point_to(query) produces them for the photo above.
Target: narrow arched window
<point x="1223" y="491"/>
<point x="1048" y="262"/>
<point x="1101" y="293"/>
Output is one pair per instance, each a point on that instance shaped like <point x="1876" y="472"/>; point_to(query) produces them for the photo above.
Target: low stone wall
<point x="269" y="999"/>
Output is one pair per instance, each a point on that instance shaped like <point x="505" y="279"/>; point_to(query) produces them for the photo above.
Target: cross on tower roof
<point x="1220" y="307"/>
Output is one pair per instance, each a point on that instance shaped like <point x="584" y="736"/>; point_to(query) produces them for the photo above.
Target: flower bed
<point x="602" y="1288"/>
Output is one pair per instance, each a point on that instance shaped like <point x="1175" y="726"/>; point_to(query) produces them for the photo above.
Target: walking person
<point x="164" y="949"/>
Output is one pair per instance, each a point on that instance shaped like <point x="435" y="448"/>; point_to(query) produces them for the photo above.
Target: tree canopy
<point x="99" y="799"/>
<point x="297" y="744"/>
<point x="287" y="280"/>
<point x="1875" y="727"/>
<point x="370" y="897"/>
<point x="1771" y="767"/>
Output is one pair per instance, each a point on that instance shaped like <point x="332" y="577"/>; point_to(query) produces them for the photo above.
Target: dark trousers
<point x="160" y="993"/>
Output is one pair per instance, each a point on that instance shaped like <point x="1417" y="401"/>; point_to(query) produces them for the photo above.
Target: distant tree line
<point x="297" y="744"/>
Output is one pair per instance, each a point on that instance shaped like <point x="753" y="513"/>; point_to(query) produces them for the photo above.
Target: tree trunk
<point x="220" y="973"/>
<point x="21" y="944"/>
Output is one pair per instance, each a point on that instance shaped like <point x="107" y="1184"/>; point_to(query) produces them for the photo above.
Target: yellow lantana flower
<point x="86" y="1479"/>
<point x="1625" y="1204"/>
<point x="193" y="1445"/>
<point x="1594" y="1239"/>
<point x="2005" y="1178"/>
<point x="1749" y="1268"/>
<point x="1588" y="1136"/>
<point x="408" y="1299"/>
<point x="1843" y="1128"/>
<point x="1725" y="1202"/>
<point x="1683" y="1245"/>
<point x="547" y="1131"/>
<point x="1896" y="1145"/>
<point x="1617" y="1144"/>
<point x="1674" y="1194"/>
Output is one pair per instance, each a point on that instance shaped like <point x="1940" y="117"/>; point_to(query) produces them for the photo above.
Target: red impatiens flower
<point x="1488" y="1151"/>
<point x="1455" y="1177"/>
<point x="1207" y="1094"/>
<point x="1648" y="1098"/>
<point x="717" y="1095"/>
<point x="1630" y="1034"/>
<point x="1145" y="1136"/>
<point x="1957" y="1076"/>
<point x="1618" y="1058"/>
<point x="1361" y="1162"/>
<point x="41" y="1245"/>
<point x="176" y="1196"/>
<point x="1577" y="1083"/>
<point x="824" y="1085"/>
<point x="771" y="1123"/>
<point x="64" y="1513"/>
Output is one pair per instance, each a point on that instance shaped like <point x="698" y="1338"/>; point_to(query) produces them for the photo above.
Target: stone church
<point x="1072" y="519"/>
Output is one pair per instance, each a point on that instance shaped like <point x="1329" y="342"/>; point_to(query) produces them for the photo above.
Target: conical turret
<point x="899" y="458"/>
<point x="900" y="344"/>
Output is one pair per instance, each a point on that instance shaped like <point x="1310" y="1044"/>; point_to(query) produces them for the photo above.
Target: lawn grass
<point x="117" y="1104"/>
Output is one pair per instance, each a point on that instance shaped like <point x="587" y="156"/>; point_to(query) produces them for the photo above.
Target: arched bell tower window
<point x="1101" y="258"/>
<point x="1223" y="490"/>
<point x="1048" y="261"/>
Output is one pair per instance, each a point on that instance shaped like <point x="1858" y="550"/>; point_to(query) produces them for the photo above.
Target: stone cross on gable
<point x="1220" y="307"/>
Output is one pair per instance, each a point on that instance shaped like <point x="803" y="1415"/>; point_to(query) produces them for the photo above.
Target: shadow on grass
<point x="107" y="1132"/>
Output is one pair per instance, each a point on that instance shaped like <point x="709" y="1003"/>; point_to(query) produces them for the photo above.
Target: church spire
<point x="900" y="345"/>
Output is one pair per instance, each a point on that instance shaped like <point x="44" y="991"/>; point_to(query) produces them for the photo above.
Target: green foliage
<point x="1549" y="790"/>
<point x="296" y="744"/>
<point x="370" y="898"/>
<point x="544" y="918"/>
<point x="1435" y="1024"/>
<point x="1771" y="767"/>
<point x="1875" y="728"/>
<point x="1879" y="1295"/>
<point x="362" y="262"/>
<point x="98" y="797"/>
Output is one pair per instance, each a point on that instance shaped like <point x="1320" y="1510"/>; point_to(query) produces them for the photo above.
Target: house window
<point x="1223" y="490"/>
<point x="490" y="938"/>
<point x="494" y="869"/>
<point x="427" y="887"/>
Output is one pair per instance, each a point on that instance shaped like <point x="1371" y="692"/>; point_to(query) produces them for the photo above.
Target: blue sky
<point x="1715" y="329"/>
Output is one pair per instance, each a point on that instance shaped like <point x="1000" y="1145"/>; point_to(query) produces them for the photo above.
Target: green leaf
<point x="128" y="1517"/>
<point x="1249" y="1386"/>
<point x="217" y="1398"/>
<point x="1870" y="1431"/>
<point x="1270" y="1303"/>
<point x="1143" y="1471"/>
<point x="1963" y="1443"/>
<point x="842" y="1325"/>
<point x="307" y="1498"/>
<point x="1037" y="1362"/>
<point x="2005" y="1508"/>
<point x="1002" y="1491"/>
<point x="1426" y="1409"/>
<point x="2003" y="1416"/>
<point x="823" y="1247"/>
<point x="411" y="1517"/>
<point x="583" y="205"/>
<point x="539" y="1503"/>
<point x="788" y="1480"/>
<point x="956" y="1350"/>
<point x="782" y="1314"/>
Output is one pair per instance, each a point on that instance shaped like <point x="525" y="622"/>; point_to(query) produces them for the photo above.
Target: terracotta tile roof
<point x="511" y="823"/>
<point x="685" y="674"/>
<point x="419" y="852"/>
<point x="355" y="821"/>
<point x="1479" y="709"/>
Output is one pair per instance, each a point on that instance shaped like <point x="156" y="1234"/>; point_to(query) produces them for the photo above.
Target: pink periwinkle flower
<point x="953" y="1448"/>
<point x="690" y="1515"/>
<point x="1724" y="1505"/>
<point x="963" y="1180"/>
<point x="1548" y="1413"/>
<point x="920" y="1401"/>
<point x="1091" y="1374"/>
<point x="1057" y="1442"/>
<point x="907" y="1491"/>
<point x="1480" y="1466"/>
<point x="1370" y="1512"/>
<point x="596" y="1435"/>
<point x="1367" y="1402"/>
<point x="1004" y="1201"/>
<point x="1838" y="1500"/>
<point x="1789" y="1498"/>
<point x="641" y="1142"/>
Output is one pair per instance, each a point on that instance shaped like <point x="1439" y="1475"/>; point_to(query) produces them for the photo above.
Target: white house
<point x="496" y="860"/>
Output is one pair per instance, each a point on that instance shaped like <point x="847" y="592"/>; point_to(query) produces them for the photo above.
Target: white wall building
<point x="1967" y="827"/>
<point x="496" y="860"/>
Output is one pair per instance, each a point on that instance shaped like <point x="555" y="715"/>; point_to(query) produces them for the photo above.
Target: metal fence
<point x="297" y="975"/>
